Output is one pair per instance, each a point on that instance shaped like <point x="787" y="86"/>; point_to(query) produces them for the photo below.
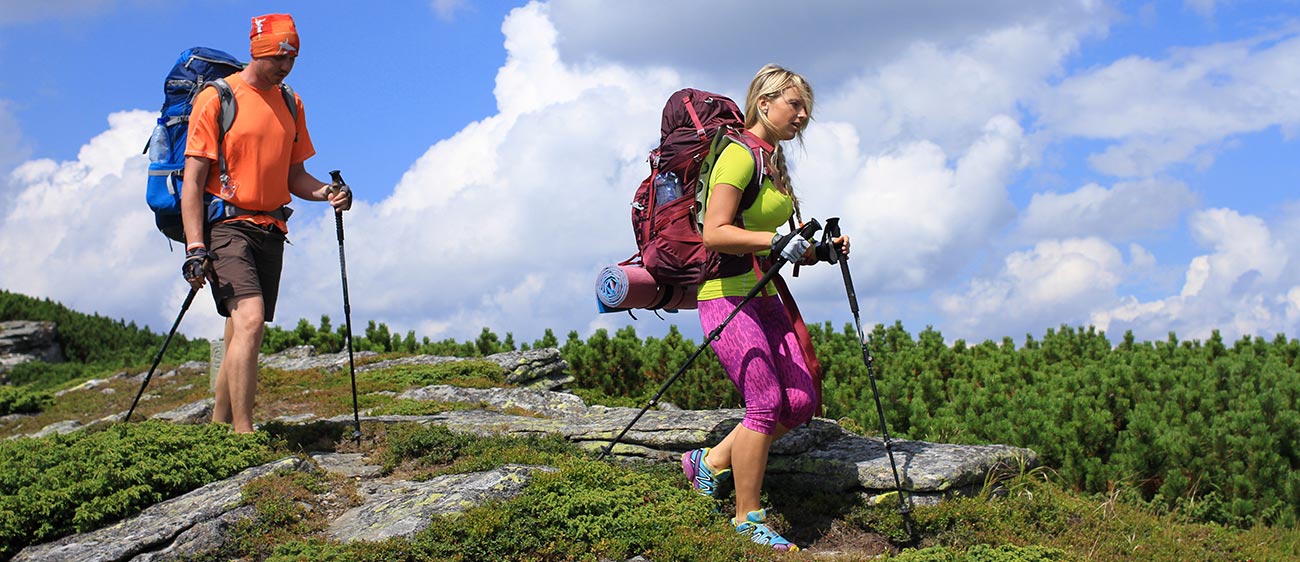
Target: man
<point x="242" y="246"/>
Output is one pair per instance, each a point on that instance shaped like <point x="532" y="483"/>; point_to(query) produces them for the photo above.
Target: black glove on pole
<point x="828" y="239"/>
<point x="158" y="358"/>
<point x="347" y="306"/>
<point x="808" y="231"/>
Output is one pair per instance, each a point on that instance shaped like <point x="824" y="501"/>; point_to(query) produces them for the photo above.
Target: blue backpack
<point x="196" y="69"/>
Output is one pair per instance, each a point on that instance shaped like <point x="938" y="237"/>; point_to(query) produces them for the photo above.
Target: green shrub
<point x="468" y="374"/>
<point x="94" y="339"/>
<point x="443" y="451"/>
<point x="588" y="510"/>
<point x="14" y="400"/>
<point x="62" y="484"/>
<point x="985" y="553"/>
<point x="42" y="375"/>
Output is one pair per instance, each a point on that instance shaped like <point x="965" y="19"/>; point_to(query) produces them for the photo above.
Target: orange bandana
<point x="273" y="35"/>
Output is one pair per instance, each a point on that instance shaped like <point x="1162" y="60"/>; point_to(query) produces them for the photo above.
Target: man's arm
<point x="306" y="186"/>
<point x="192" y="212"/>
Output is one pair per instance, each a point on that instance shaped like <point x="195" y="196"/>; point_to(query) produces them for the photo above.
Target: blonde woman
<point x="758" y="349"/>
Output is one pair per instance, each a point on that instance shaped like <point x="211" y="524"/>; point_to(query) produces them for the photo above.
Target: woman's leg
<point x="744" y="351"/>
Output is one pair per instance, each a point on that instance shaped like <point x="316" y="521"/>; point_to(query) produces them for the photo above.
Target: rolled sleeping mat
<point x="621" y="287"/>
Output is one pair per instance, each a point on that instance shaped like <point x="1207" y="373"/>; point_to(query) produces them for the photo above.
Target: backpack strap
<point x="289" y="100"/>
<point x="802" y="336"/>
<point x="225" y="120"/>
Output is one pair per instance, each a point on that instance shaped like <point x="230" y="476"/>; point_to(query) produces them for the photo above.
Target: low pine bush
<point x="64" y="484"/>
<point x="15" y="400"/>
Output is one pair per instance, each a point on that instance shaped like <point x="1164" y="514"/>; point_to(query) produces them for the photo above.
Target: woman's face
<point x="787" y="113"/>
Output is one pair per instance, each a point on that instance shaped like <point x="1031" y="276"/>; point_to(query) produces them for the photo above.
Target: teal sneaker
<point x="701" y="477"/>
<point x="760" y="533"/>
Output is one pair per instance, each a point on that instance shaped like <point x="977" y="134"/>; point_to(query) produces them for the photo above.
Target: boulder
<point x="402" y="508"/>
<point x="22" y="341"/>
<point x="538" y="402"/>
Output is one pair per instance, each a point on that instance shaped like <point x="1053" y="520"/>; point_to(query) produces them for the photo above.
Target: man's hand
<point x="196" y="266"/>
<point x="339" y="195"/>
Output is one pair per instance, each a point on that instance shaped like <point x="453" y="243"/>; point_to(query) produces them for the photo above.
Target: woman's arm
<point x="719" y="234"/>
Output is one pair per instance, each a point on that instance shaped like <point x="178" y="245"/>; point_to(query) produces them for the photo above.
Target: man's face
<point x="275" y="68"/>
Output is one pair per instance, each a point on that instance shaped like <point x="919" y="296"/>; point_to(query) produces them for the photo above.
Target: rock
<point x="347" y="464"/>
<point x="402" y="508"/>
<point x="541" y="369"/>
<point x="535" y="368"/>
<point x="22" y="341"/>
<point x="542" y="403"/>
<point x="157" y="527"/>
<point x="196" y="412"/>
<point x="66" y="426"/>
<point x="304" y="357"/>
<point x="296" y="418"/>
<point x="203" y="539"/>
<point x="91" y="384"/>
<point x="819" y="455"/>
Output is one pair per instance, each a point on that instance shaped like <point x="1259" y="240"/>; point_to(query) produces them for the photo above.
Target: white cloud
<point x="1244" y="286"/>
<point x="1057" y="282"/>
<point x="80" y="233"/>
<point x="1126" y="210"/>
<point x="919" y="219"/>
<point x="827" y="40"/>
<point x="946" y="94"/>
<point x="919" y="132"/>
<point x="1163" y="112"/>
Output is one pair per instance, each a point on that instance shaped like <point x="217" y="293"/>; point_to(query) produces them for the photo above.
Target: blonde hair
<point x="769" y="83"/>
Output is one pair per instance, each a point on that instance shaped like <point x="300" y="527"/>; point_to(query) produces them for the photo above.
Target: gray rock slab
<point x="204" y="538"/>
<point x="347" y="464"/>
<point x="541" y="369"/>
<point x="28" y="340"/>
<point x="192" y="413"/>
<point x="854" y="461"/>
<point x="157" y="526"/>
<point x="543" y="403"/>
<point x="302" y="358"/>
<point x="402" y="508"/>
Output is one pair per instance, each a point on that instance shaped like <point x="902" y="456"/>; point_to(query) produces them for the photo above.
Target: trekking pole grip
<point x="336" y="185"/>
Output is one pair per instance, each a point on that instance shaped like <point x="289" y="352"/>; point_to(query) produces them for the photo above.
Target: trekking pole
<point x="347" y="306"/>
<point x="807" y="231"/>
<point x="158" y="358"/>
<point x="828" y="236"/>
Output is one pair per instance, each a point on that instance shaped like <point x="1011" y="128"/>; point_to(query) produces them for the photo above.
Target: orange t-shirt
<point x="259" y="147"/>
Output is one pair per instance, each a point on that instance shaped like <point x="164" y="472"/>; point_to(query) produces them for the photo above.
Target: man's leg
<point x="221" y="410"/>
<point x="239" y="368"/>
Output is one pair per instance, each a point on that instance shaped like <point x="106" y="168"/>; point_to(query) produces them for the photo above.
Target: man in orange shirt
<point x="236" y="226"/>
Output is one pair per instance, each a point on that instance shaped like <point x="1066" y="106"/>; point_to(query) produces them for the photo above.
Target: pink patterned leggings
<point x="759" y="351"/>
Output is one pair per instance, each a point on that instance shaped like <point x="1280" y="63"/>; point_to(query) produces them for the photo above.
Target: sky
<point x="1003" y="167"/>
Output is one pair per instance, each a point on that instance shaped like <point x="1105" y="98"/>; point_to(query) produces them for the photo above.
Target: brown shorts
<point x="246" y="260"/>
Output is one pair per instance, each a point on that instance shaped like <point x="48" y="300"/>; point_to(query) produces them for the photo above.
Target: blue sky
<point x="1004" y="167"/>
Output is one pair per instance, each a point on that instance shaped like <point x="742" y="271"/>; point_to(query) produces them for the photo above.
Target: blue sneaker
<point x="701" y="477"/>
<point x="760" y="533"/>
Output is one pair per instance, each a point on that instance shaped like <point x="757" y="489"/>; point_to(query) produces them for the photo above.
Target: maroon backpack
<point x="696" y="127"/>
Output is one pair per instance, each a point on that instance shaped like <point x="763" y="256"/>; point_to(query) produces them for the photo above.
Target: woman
<point x="758" y="349"/>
